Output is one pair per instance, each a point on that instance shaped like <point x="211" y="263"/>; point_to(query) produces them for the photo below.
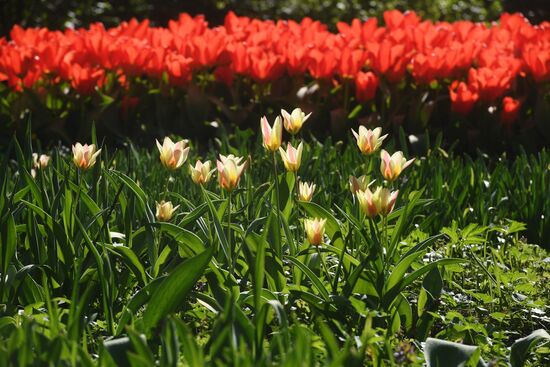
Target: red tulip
<point x="510" y="110"/>
<point x="365" y="86"/>
<point x="463" y="97"/>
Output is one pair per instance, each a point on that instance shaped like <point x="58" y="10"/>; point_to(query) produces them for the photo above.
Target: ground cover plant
<point x="251" y="251"/>
<point x="484" y="84"/>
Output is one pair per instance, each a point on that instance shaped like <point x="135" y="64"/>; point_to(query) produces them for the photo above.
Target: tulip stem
<point x="230" y="243"/>
<point x="346" y="96"/>
<point x="296" y="185"/>
<point x="321" y="260"/>
<point x="165" y="195"/>
<point x="385" y="245"/>
<point x="277" y="199"/>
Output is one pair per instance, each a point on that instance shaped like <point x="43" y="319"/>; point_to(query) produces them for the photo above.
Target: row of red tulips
<point x="478" y="62"/>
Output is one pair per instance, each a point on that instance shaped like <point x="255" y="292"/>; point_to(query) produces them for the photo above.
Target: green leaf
<point x="441" y="353"/>
<point x="314" y="279"/>
<point x="140" y="194"/>
<point x="183" y="237"/>
<point x="390" y="295"/>
<point x="521" y="347"/>
<point x="8" y="241"/>
<point x="174" y="289"/>
<point x="118" y="349"/>
<point x="218" y="227"/>
<point x="134" y="304"/>
<point x="131" y="260"/>
<point x="260" y="244"/>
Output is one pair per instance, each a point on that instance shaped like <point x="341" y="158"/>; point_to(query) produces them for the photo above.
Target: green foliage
<point x="90" y="276"/>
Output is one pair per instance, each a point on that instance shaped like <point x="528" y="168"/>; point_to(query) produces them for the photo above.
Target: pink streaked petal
<point x="408" y="163"/>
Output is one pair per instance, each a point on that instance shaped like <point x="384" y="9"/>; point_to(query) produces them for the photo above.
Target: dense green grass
<point x="88" y="273"/>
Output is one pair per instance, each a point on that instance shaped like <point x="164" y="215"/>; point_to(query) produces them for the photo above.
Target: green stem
<point x="340" y="263"/>
<point x="296" y="186"/>
<point x="322" y="260"/>
<point x="346" y="97"/>
<point x="385" y="244"/>
<point x="165" y="193"/>
<point x="231" y="261"/>
<point x="278" y="201"/>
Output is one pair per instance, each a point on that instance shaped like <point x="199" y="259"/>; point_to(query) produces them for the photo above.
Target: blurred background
<point x="57" y="14"/>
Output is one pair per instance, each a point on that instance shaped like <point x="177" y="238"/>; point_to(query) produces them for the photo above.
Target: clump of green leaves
<point x="91" y="276"/>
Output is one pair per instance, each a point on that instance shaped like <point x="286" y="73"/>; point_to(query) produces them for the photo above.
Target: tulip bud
<point x="201" y="173"/>
<point x="172" y="155"/>
<point x="391" y="166"/>
<point x="292" y="157"/>
<point x="84" y="156"/>
<point x="272" y="136"/>
<point x="305" y="191"/>
<point x="358" y="183"/>
<point x="40" y="162"/>
<point x="368" y="140"/>
<point x="315" y="230"/>
<point x="380" y="202"/>
<point x="229" y="171"/>
<point x="165" y="210"/>
<point x="294" y="120"/>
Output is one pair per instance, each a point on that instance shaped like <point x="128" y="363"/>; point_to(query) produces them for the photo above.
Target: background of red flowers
<point x="478" y="84"/>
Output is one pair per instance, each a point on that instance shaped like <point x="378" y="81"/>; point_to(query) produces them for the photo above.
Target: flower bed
<point x="496" y="72"/>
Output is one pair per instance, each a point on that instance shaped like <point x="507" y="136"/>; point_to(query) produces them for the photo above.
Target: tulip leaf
<point x="521" y="347"/>
<point x="392" y="292"/>
<point x="175" y="287"/>
<point x="444" y="353"/>
<point x="314" y="279"/>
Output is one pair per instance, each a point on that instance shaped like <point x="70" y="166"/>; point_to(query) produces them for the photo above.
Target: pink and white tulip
<point x="84" y="156"/>
<point x="165" y="211"/>
<point x="172" y="155"/>
<point x="230" y="171"/>
<point x="201" y="173"/>
<point x="368" y="140"/>
<point x="292" y="157"/>
<point x="392" y="166"/>
<point x="272" y="136"/>
<point x="293" y="121"/>
<point x="381" y="202"/>
<point x="315" y="230"/>
<point x="305" y="191"/>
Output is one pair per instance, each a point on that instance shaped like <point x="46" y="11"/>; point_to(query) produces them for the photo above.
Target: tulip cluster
<point x="230" y="169"/>
<point x="382" y="200"/>
<point x="478" y="62"/>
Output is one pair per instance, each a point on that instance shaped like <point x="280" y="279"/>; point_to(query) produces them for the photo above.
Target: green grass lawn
<point x="91" y="276"/>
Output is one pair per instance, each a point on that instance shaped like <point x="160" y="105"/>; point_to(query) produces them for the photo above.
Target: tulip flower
<point x="358" y="183"/>
<point x="463" y="97"/>
<point x="391" y="166"/>
<point x="84" y="156"/>
<point x="201" y="173"/>
<point x="165" y="210"/>
<point x="272" y="136"/>
<point x="229" y="171"/>
<point x="315" y="230"/>
<point x="510" y="110"/>
<point x="365" y="86"/>
<point x="293" y="121"/>
<point x="368" y="140"/>
<point x="292" y="157"/>
<point x="40" y="162"/>
<point x="172" y="155"/>
<point x="305" y="191"/>
<point x="380" y="202"/>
